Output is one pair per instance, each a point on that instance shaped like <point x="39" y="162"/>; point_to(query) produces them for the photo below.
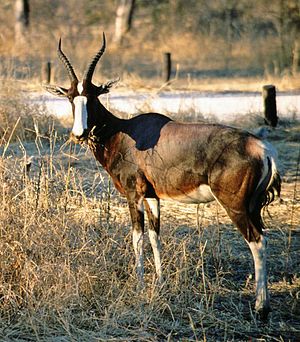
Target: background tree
<point x="22" y="11"/>
<point x="124" y="16"/>
<point x="216" y="37"/>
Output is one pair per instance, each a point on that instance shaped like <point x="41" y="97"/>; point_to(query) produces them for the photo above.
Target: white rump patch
<point x="268" y="152"/>
<point x="80" y="116"/>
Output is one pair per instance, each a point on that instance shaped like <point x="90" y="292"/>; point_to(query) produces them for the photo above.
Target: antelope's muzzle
<point x="79" y="139"/>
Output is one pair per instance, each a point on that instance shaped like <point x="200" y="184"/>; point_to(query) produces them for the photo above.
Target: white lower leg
<point x="153" y="209"/>
<point x="258" y="250"/>
<point x="156" y="247"/>
<point x="138" y="241"/>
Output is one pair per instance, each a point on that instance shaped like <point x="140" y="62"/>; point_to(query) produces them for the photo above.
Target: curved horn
<point x="89" y="73"/>
<point x="66" y="63"/>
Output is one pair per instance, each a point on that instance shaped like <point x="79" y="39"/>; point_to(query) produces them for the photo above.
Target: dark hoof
<point x="263" y="313"/>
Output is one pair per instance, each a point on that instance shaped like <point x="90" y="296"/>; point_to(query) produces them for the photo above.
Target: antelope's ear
<point x="55" y="90"/>
<point x="104" y="88"/>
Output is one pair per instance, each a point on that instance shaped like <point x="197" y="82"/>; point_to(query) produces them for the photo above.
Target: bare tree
<point x="123" y="22"/>
<point x="22" y="10"/>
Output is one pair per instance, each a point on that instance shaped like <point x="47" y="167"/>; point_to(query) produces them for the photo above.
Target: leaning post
<point x="270" y="108"/>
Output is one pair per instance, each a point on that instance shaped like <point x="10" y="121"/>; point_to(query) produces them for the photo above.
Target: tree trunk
<point x="295" y="63"/>
<point x="123" y="21"/>
<point x="22" y="10"/>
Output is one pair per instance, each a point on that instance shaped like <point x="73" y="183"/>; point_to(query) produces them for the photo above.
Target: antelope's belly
<point x="202" y="194"/>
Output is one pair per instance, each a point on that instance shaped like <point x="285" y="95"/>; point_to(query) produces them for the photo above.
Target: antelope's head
<point x="83" y="96"/>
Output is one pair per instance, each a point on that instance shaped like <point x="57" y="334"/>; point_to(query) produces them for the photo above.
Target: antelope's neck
<point x="106" y="125"/>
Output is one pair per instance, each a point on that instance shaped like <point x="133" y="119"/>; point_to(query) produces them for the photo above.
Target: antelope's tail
<point x="266" y="191"/>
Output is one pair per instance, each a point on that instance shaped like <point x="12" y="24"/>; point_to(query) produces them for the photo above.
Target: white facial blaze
<point x="80" y="88"/>
<point x="80" y="115"/>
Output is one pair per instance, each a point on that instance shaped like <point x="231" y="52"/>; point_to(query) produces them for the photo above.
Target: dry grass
<point x="198" y="62"/>
<point x="19" y="118"/>
<point x="67" y="265"/>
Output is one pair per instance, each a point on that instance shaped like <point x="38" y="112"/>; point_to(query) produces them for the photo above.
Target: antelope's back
<point x="188" y="157"/>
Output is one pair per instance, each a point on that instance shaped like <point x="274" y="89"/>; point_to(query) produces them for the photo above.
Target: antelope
<point x="151" y="157"/>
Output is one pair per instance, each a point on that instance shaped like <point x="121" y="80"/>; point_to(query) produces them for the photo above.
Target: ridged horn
<point x="90" y="70"/>
<point x="66" y="63"/>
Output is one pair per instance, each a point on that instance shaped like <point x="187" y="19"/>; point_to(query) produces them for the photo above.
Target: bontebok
<point x="151" y="157"/>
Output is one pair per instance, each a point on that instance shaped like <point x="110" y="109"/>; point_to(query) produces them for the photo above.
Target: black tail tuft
<point x="264" y="195"/>
<point x="273" y="190"/>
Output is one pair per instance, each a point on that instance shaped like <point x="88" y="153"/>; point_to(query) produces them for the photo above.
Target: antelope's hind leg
<point x="257" y="243"/>
<point x="152" y="206"/>
<point x="258" y="250"/>
<point x="249" y="223"/>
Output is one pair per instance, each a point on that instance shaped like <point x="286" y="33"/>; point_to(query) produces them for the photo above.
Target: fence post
<point x="46" y="72"/>
<point x="270" y="108"/>
<point x="167" y="67"/>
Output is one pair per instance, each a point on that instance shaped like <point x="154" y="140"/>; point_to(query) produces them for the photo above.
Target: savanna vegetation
<point x="66" y="258"/>
<point x="206" y="39"/>
<point x="67" y="265"/>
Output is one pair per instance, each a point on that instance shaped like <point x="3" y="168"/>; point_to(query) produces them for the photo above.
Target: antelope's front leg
<point x="152" y="206"/>
<point x="136" y="209"/>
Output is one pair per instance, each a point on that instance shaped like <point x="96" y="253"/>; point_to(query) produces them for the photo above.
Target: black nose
<point x="79" y="138"/>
